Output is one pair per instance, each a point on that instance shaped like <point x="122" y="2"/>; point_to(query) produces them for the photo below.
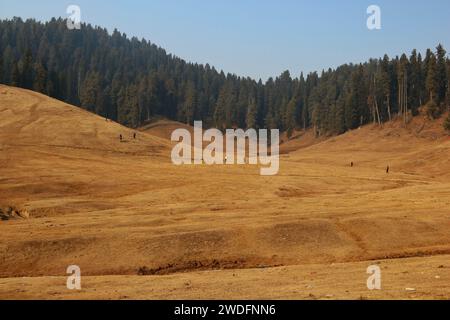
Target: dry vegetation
<point x="140" y="227"/>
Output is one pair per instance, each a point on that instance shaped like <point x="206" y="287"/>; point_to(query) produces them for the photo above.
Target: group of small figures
<point x="121" y="136"/>
<point x="387" y="168"/>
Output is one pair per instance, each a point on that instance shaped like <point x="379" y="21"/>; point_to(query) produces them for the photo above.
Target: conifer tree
<point x="441" y="75"/>
<point x="432" y="107"/>
<point x="15" y="74"/>
<point x="447" y="96"/>
<point x="402" y="77"/>
<point x="431" y="78"/>
<point x="1" y="69"/>
<point x="40" y="78"/>
<point x="219" y="114"/>
<point x="251" y="116"/>
<point x="27" y="70"/>
<point x="190" y="104"/>
<point x="385" y="85"/>
<point x="415" y="76"/>
<point x="90" y="92"/>
<point x="291" y="112"/>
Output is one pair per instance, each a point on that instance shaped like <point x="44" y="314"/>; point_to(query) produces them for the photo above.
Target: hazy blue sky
<point x="262" y="38"/>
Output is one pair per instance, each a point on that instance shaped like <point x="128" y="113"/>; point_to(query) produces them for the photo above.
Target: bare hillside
<point x="30" y="118"/>
<point x="127" y="216"/>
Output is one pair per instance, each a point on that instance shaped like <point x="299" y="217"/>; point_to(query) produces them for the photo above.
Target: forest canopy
<point x="133" y="81"/>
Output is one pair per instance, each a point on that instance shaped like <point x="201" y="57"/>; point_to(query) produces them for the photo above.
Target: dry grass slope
<point x="140" y="227"/>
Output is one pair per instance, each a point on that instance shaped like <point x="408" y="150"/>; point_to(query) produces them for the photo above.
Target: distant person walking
<point x="387" y="169"/>
<point x="120" y="137"/>
<point x="134" y="136"/>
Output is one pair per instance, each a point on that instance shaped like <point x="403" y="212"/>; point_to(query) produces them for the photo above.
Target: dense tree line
<point x="133" y="81"/>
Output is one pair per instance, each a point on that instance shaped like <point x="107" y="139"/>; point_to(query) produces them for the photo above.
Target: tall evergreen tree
<point x="27" y="70"/>
<point x="40" y="78"/>
<point x="15" y="74"/>
<point x="441" y="74"/>
<point x="385" y="84"/>
<point x="415" y="82"/>
<point x="432" y="106"/>
<point x="90" y="92"/>
<point x="252" y="112"/>
<point x="447" y="96"/>
<point x="431" y="84"/>
<point x="220" y="113"/>
<point x="190" y="104"/>
<point x="291" y="112"/>
<point x="402" y="77"/>
<point x="1" y="69"/>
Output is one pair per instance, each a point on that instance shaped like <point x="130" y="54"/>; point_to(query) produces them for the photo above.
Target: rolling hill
<point x="140" y="227"/>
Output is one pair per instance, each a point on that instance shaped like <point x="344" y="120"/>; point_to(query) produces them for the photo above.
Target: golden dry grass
<point x="118" y="209"/>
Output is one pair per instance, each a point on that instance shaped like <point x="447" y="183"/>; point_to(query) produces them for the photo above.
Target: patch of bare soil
<point x="205" y="265"/>
<point x="12" y="213"/>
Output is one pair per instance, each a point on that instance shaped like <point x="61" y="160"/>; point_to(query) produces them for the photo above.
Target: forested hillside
<point x="132" y="81"/>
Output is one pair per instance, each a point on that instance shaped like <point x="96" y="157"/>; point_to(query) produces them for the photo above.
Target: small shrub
<point x="447" y="123"/>
<point x="432" y="109"/>
<point x="289" y="133"/>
